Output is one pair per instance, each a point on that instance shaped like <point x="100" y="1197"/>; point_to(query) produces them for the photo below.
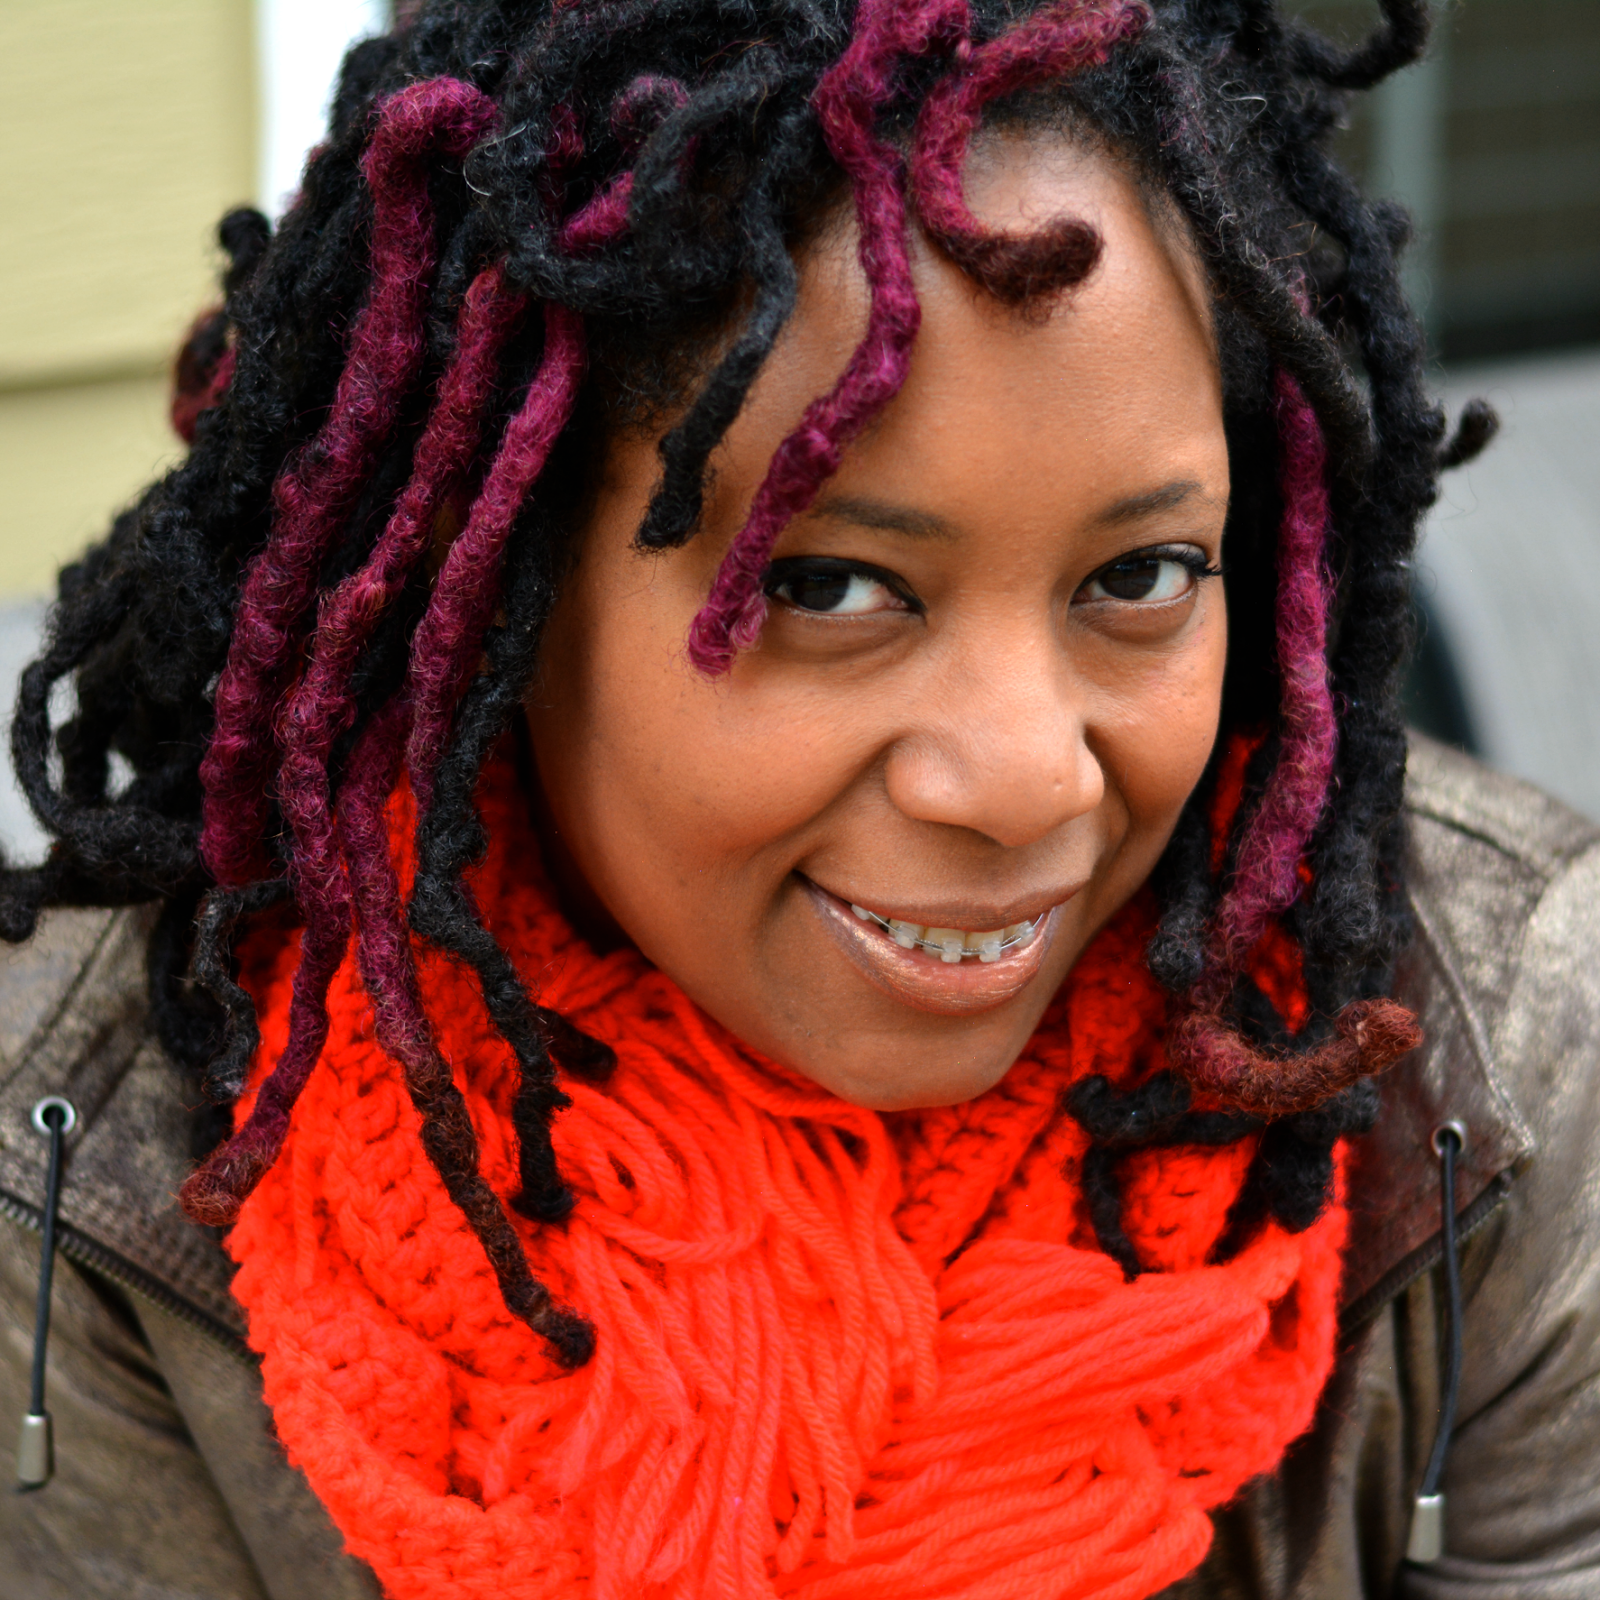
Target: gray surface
<point x="20" y="835"/>
<point x="1511" y="560"/>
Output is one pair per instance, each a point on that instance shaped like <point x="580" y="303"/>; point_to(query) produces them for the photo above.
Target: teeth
<point x="952" y="944"/>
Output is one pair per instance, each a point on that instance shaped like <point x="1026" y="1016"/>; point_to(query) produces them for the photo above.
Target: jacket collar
<point x="1394" y="1183"/>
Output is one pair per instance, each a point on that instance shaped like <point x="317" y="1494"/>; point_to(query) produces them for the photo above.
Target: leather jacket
<point x="171" y="1484"/>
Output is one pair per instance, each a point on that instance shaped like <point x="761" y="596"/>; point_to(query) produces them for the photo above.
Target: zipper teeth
<point x="1425" y="1257"/>
<point x="85" y="1252"/>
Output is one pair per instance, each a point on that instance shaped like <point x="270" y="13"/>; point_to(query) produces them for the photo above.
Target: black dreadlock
<point x="1224" y="107"/>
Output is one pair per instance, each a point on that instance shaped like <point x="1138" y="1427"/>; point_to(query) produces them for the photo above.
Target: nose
<point x="1004" y="748"/>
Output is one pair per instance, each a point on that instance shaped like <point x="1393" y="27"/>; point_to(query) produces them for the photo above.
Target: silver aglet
<point x="36" y="1455"/>
<point x="1426" y="1544"/>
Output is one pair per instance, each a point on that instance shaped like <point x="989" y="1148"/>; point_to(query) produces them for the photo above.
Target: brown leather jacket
<point x="170" y="1483"/>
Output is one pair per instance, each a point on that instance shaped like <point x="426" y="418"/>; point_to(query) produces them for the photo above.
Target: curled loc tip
<point x="550" y="1205"/>
<point x="724" y="628"/>
<point x="1381" y="1030"/>
<point x="709" y="650"/>
<point x="208" y="1202"/>
<point x="575" y="1051"/>
<point x="1370" y="1036"/>
<point x="643" y="106"/>
<point x="214" y="1192"/>
<point x="1478" y="425"/>
<point x="570" y="1338"/>
<point x="449" y="111"/>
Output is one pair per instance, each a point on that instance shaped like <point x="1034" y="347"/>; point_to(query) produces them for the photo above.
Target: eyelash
<point x="830" y="568"/>
<point x="1186" y="556"/>
<point x="794" y="568"/>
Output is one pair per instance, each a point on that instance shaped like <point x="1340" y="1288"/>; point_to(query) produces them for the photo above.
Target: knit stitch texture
<point x="839" y="1353"/>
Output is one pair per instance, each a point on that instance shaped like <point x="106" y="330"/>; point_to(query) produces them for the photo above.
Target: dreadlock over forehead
<point x="528" y="216"/>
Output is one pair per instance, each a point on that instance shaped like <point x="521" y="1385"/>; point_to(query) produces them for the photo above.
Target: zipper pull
<point x="1426" y="1543"/>
<point x="55" y="1118"/>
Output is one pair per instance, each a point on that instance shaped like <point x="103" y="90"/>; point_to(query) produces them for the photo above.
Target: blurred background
<point x="128" y="129"/>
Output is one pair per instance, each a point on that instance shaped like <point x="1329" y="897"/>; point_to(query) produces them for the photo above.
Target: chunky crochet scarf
<point x="840" y="1353"/>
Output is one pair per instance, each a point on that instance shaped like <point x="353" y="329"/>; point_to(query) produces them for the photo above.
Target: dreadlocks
<point x="529" y="215"/>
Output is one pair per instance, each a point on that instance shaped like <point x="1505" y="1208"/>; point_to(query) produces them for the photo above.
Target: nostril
<point x="1013" y="792"/>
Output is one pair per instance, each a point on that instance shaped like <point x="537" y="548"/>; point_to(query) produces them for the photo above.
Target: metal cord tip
<point x="36" y="1456"/>
<point x="1426" y="1544"/>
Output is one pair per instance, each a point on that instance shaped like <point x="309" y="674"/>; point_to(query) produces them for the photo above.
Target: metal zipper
<point x="1425" y="1257"/>
<point x="79" y="1248"/>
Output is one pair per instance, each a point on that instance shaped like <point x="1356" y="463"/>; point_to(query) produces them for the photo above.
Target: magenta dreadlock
<point x="313" y="496"/>
<point x="415" y="721"/>
<point x="530" y="217"/>
<point x="1058" y="40"/>
<point x="1371" y="1033"/>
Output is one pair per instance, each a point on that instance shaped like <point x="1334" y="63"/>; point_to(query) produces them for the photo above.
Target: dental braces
<point x="1022" y="936"/>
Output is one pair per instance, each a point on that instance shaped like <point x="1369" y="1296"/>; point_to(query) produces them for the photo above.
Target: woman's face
<point x="989" y="678"/>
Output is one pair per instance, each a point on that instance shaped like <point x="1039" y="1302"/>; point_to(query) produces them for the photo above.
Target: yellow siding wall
<point x="127" y="127"/>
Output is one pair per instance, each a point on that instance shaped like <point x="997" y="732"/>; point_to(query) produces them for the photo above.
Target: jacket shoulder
<point x="75" y="1022"/>
<point x="1508" y="898"/>
<point x="1486" y="852"/>
<point x="40" y="975"/>
<point x="1504" y="885"/>
<point x="1455" y="797"/>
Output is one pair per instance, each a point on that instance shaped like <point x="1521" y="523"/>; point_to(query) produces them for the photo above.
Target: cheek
<point x="1159" y="727"/>
<point x="660" y="779"/>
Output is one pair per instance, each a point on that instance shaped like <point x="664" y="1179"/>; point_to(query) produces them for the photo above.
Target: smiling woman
<point x="763" y="727"/>
<point x="989" y="679"/>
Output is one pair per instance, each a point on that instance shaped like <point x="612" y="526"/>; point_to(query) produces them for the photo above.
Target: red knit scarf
<point x="840" y="1353"/>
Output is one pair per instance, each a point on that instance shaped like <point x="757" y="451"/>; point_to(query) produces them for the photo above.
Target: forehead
<point x="1018" y="178"/>
<point x="1114" y="384"/>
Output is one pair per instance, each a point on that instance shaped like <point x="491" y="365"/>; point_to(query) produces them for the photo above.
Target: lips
<point x="930" y="981"/>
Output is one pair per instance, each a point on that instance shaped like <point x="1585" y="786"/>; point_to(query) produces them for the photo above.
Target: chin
<point x="915" y="1089"/>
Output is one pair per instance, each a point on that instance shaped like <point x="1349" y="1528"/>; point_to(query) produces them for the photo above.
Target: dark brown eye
<point x="1150" y="576"/>
<point x="818" y="591"/>
<point x="832" y="588"/>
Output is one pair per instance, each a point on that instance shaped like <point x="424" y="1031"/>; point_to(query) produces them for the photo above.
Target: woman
<point x="763" y="719"/>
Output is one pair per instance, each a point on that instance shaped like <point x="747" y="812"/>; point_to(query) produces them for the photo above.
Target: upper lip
<point x="970" y="915"/>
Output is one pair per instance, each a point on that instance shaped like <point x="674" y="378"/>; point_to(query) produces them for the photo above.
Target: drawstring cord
<point x="55" y="1118"/>
<point x="1427" y="1522"/>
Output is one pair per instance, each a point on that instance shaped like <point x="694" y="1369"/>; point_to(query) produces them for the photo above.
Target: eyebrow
<point x="868" y="513"/>
<point x="1137" y="506"/>
<point x="865" y="512"/>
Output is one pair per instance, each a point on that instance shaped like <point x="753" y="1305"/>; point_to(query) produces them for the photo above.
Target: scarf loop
<point x="841" y="1354"/>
